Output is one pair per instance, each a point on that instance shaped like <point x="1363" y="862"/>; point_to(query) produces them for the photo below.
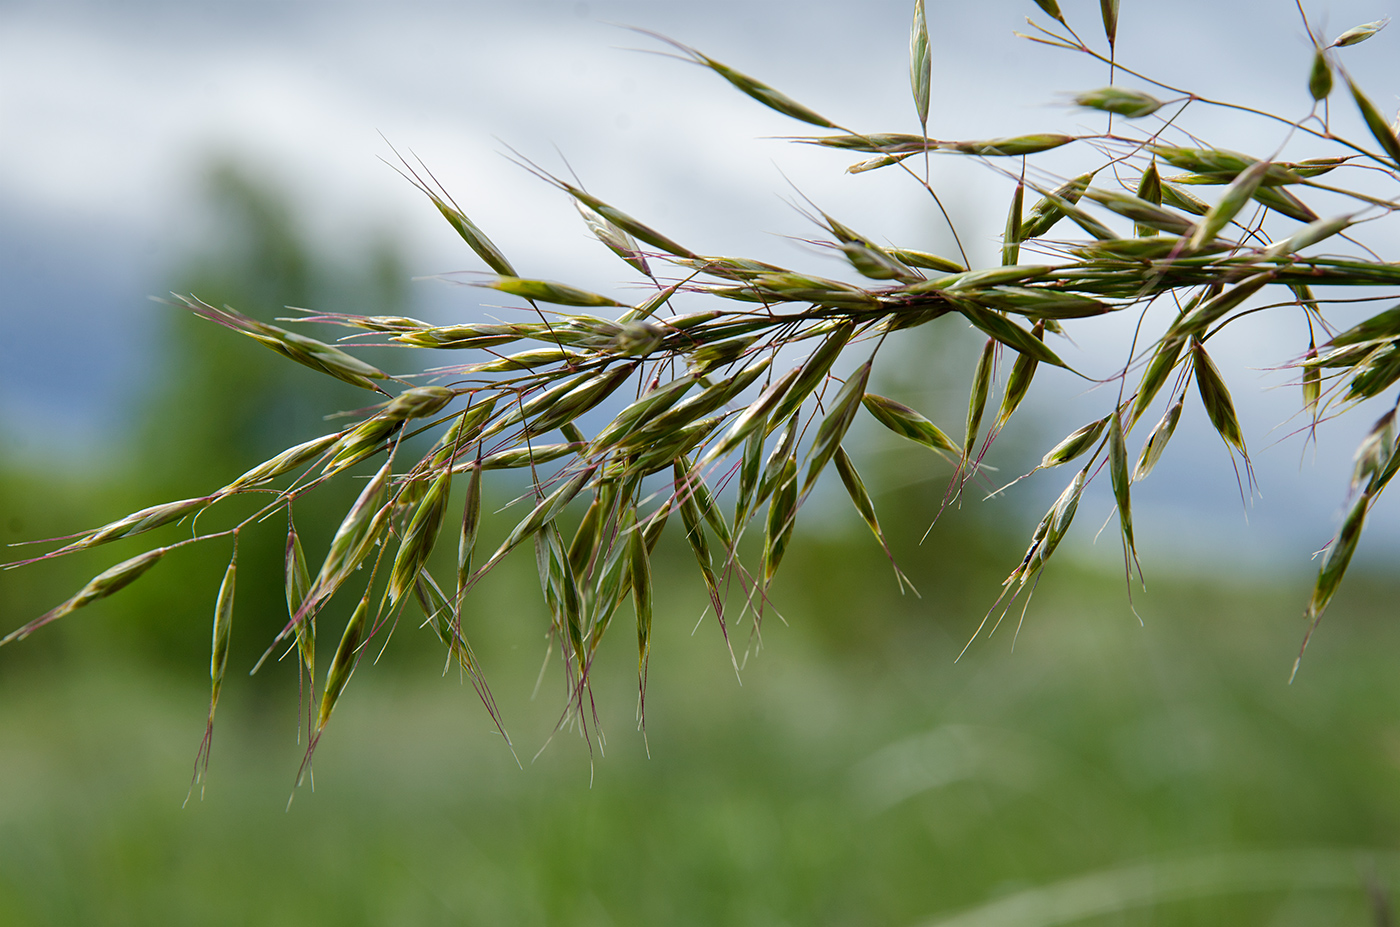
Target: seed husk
<point x="1281" y="201"/>
<point x="639" y="571"/>
<point x="1338" y="557"/>
<point x="1173" y="195"/>
<point x="545" y="511"/>
<point x="695" y="535"/>
<point x="284" y="462"/>
<point x="813" y="371"/>
<point x="1212" y="310"/>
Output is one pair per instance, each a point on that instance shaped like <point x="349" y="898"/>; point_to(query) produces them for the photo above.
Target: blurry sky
<point x="111" y="113"/>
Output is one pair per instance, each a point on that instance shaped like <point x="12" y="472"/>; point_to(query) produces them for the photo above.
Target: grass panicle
<point x="620" y="409"/>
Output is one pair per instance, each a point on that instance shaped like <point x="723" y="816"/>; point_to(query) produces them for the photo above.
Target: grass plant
<point x="704" y="420"/>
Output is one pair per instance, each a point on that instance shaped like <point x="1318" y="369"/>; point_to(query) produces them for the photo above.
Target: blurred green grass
<point x="879" y="785"/>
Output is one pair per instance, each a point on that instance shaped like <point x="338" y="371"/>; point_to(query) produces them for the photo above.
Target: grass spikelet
<point x="1044" y="214"/>
<point x="1133" y="104"/>
<point x="590" y="538"/>
<point x="1285" y="203"/>
<point x="343" y="663"/>
<point x="1206" y="314"/>
<point x="1174" y="196"/>
<point x="1074" y="444"/>
<point x="354" y="538"/>
<point x="1149" y="190"/>
<point x="695" y="535"/>
<point x="285" y="462"/>
<point x="1382" y="325"/>
<point x="1011" y="237"/>
<point x="907" y="423"/>
<point x="1109" y="9"/>
<point x="1140" y="210"/>
<point x="297" y="581"/>
<point x="1220" y="408"/>
<point x="1156" y="442"/>
<point x="784" y="450"/>
<point x="749" y="468"/>
<point x="920" y="67"/>
<point x="813" y="371"/>
<point x="1118" y="471"/>
<point x="977" y="399"/>
<point x="547" y="291"/>
<point x="927" y="261"/>
<point x="1320" y="76"/>
<point x="466" y="538"/>
<point x="1334" y="566"/>
<point x="782" y="515"/>
<point x="613" y="236"/>
<point x="1359" y="33"/>
<point x="420" y="537"/>
<point x="218" y="658"/>
<point x="760" y="91"/>
<point x="137" y="523"/>
<point x="639" y="569"/>
<point x="860" y="498"/>
<point x="100" y="586"/>
<point x="1011" y="146"/>
<point x="1018" y="384"/>
<point x="475" y="238"/>
<point x="306" y="351"/>
<point x="1311" y="234"/>
<point x="544" y="512"/>
<point x="1240" y="192"/>
<point x="1008" y="332"/>
<point x="1380" y="129"/>
<point x="1052" y="8"/>
<point x="834" y="427"/>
